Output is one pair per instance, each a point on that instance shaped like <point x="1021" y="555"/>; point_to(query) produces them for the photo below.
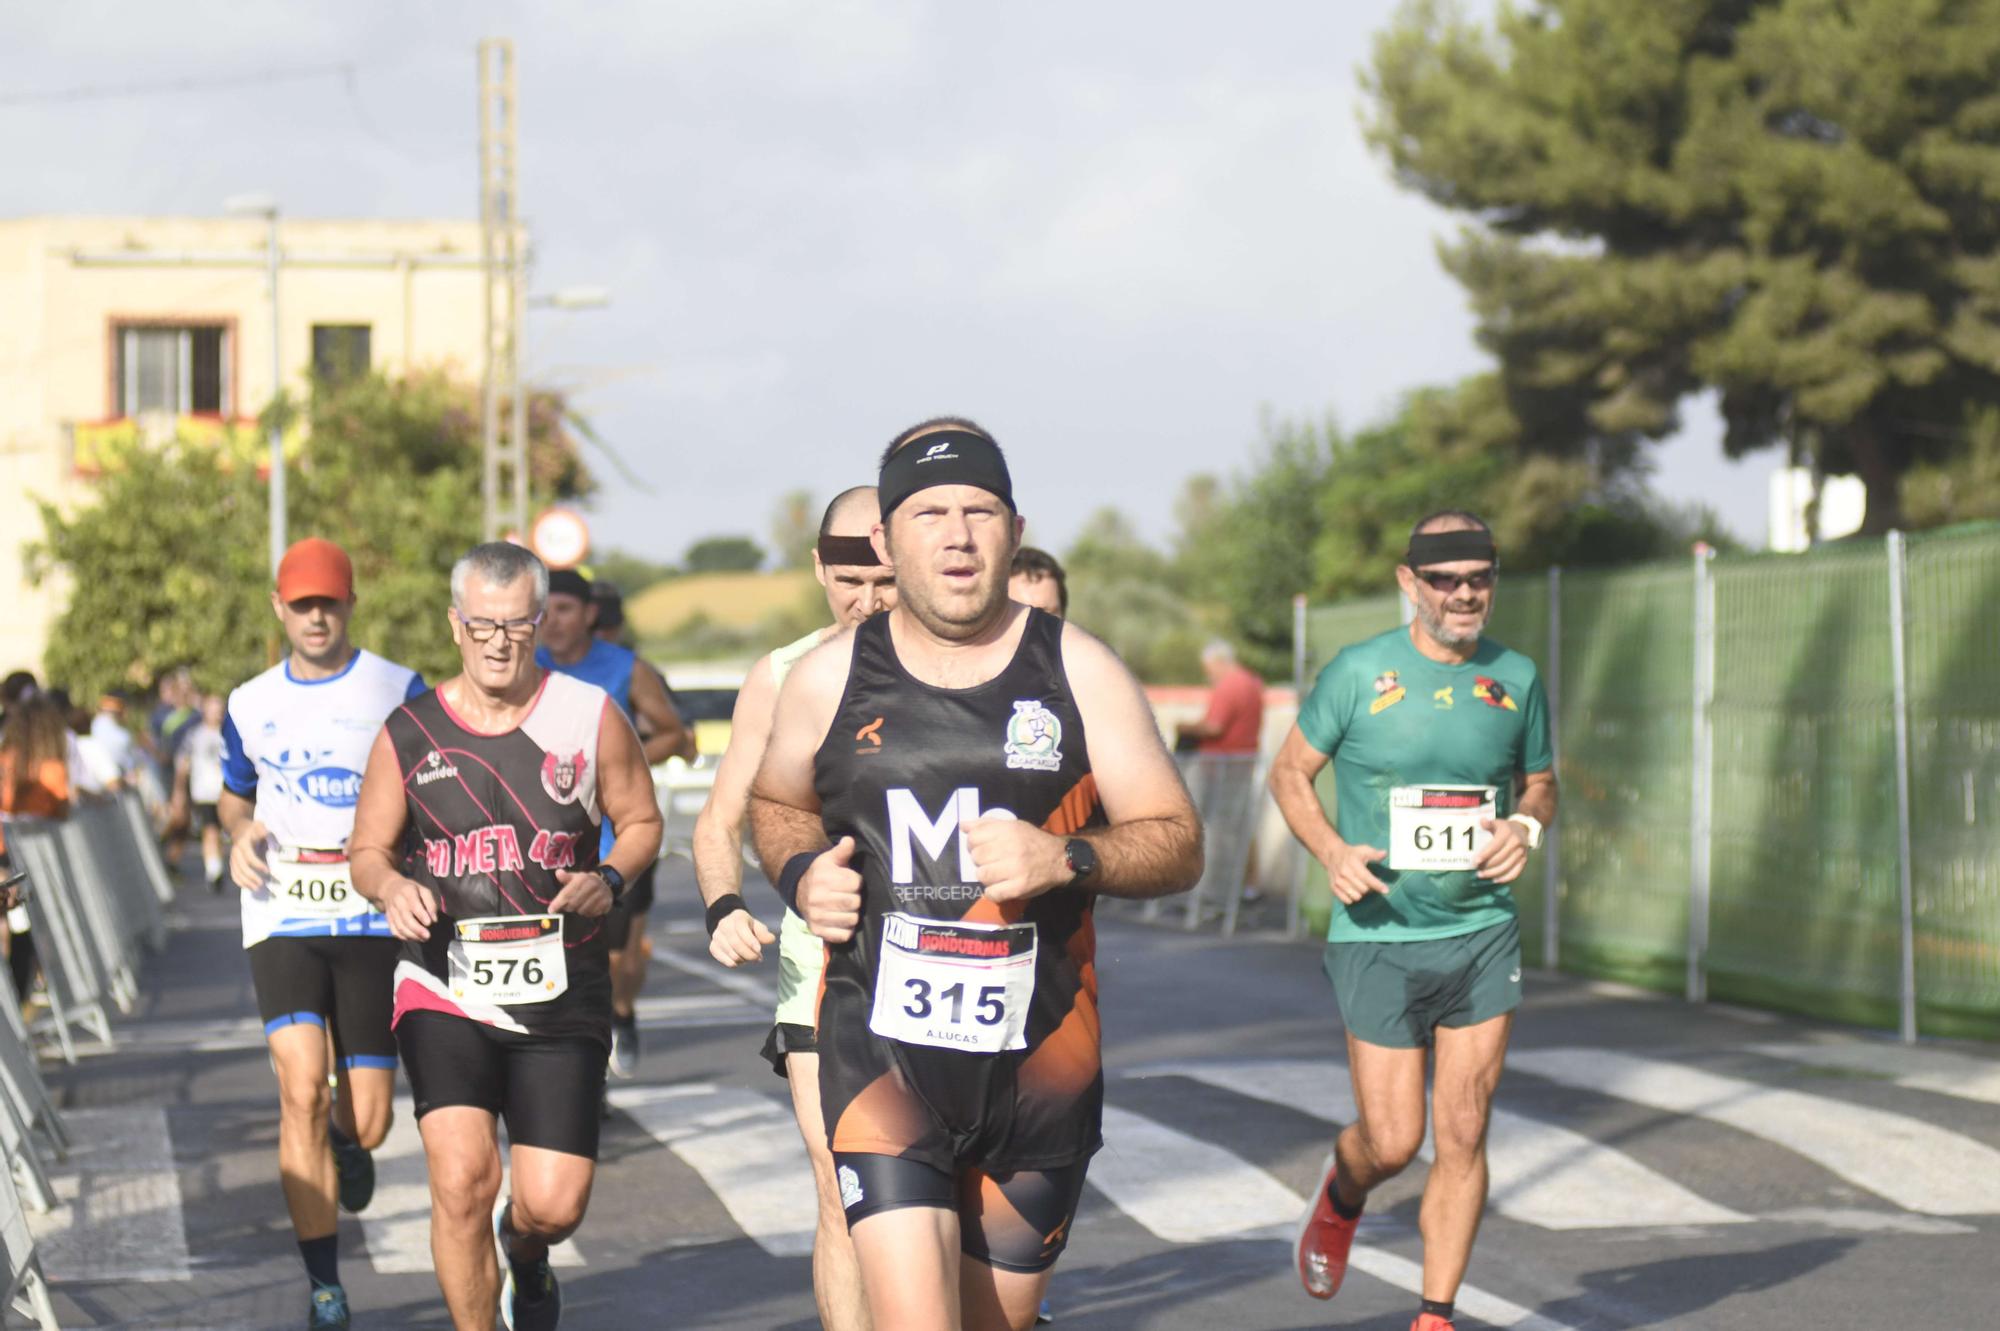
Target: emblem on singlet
<point x="1034" y="735"/>
<point x="562" y="775"/>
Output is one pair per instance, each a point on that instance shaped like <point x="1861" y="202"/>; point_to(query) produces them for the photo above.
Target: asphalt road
<point x="1655" y="1164"/>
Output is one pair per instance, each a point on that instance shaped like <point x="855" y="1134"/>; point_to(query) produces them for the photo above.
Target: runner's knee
<point x="1393" y="1146"/>
<point x="304" y="1096"/>
<point x="550" y="1218"/>
<point x="463" y="1188"/>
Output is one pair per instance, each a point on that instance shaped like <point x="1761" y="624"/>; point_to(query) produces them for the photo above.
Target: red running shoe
<point x="1431" y="1322"/>
<point x="1324" y="1238"/>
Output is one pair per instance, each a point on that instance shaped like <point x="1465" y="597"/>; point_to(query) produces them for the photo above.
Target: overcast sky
<point x="1114" y="233"/>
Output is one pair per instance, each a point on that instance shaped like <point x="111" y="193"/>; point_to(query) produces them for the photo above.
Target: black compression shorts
<point x="342" y="981"/>
<point x="1012" y="1222"/>
<point x="788" y="1038"/>
<point x="638" y="899"/>
<point x="549" y="1089"/>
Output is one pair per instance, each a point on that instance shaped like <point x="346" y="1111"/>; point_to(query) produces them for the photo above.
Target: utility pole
<point x="504" y="265"/>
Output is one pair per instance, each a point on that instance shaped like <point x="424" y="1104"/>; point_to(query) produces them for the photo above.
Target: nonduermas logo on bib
<point x="1034" y="738"/>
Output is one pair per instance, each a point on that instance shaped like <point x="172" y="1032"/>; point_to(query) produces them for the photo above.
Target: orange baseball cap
<point x="315" y="567"/>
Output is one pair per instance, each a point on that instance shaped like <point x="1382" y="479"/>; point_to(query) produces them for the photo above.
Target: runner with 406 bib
<point x="945" y="790"/>
<point x="294" y="740"/>
<point x="478" y="836"/>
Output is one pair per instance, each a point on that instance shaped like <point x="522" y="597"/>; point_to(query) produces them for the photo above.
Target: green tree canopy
<point x="723" y="554"/>
<point x="1133" y="597"/>
<point x="1790" y="201"/>
<point x="170" y="565"/>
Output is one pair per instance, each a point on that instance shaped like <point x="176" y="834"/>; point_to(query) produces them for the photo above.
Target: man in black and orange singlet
<point x="946" y="789"/>
<point x="477" y="836"/>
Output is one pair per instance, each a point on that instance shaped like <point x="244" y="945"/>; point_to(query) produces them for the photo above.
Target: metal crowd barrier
<point x="1225" y="788"/>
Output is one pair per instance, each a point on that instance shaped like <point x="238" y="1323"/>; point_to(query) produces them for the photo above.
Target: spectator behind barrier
<point x="34" y="779"/>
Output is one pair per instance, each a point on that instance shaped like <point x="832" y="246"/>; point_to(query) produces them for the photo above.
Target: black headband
<point x="850" y="550"/>
<point x="568" y="582"/>
<point x="948" y="457"/>
<point x="1448" y="547"/>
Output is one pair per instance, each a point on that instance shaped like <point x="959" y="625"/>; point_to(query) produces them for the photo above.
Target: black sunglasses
<point x="1448" y="583"/>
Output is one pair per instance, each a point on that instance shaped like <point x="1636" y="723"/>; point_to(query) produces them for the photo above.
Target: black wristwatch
<point x="613" y="880"/>
<point x="1082" y="859"/>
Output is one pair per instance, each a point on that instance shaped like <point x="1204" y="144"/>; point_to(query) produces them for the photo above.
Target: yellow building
<point x="121" y="327"/>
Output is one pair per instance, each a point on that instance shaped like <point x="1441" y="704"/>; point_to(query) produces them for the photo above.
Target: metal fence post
<point x="1295" y="891"/>
<point x="1552" y="846"/>
<point x="1899" y="674"/>
<point x="1701" y="821"/>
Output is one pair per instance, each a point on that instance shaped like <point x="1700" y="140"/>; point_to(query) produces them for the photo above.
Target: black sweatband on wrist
<point x="789" y="876"/>
<point x="944" y="457"/>
<point x="1449" y="547"/>
<point x="855" y="551"/>
<point x="722" y="908"/>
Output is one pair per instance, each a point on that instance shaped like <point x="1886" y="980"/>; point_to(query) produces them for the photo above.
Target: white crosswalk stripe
<point x="397" y="1224"/>
<point x="1186" y="1190"/>
<point x="1912" y="1163"/>
<point x="1541" y="1174"/>
<point x="746" y="1149"/>
<point x="1936" y="1070"/>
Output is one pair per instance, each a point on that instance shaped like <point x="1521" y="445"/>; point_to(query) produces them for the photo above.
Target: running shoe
<point x="1431" y="1322"/>
<point x="1043" y="1314"/>
<point x="1324" y="1238"/>
<point x="624" y="1049"/>
<point x="538" y="1308"/>
<point x="328" y="1309"/>
<point x="357" y="1176"/>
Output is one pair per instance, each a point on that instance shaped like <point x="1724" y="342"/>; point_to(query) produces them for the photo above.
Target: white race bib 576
<point x="315" y="883"/>
<point x="508" y="959"/>
<point x="1435" y="829"/>
<point x="954" y="985"/>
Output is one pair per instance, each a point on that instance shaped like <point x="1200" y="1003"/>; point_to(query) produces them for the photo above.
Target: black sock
<point x="630" y="1021"/>
<point x="1435" y="1309"/>
<point x="322" y="1258"/>
<point x="336" y="1136"/>
<point x="527" y="1275"/>
<point x="1340" y="1208"/>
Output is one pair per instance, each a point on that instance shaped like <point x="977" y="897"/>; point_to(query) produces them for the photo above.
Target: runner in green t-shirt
<point x="1444" y="779"/>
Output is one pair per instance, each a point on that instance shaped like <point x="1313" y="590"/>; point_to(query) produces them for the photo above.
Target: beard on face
<point x="1434" y="624"/>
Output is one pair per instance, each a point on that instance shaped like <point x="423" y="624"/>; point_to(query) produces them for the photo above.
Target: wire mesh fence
<point x="1726" y="736"/>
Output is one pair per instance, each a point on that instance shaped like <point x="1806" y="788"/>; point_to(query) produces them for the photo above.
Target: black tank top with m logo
<point x="902" y="766"/>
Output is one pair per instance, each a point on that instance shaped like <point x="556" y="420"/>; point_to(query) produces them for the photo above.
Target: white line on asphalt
<point x="746" y="1149"/>
<point x="1541" y="1174"/>
<point x="397" y="1225"/>
<point x="722" y="977"/>
<point x="1937" y="1070"/>
<point x="1186" y="1190"/>
<point x="1912" y="1163"/>
<point x="118" y="1211"/>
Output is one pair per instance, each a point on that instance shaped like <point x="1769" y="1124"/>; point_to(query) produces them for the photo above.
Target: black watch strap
<point x="1082" y="859"/>
<point x="613" y="880"/>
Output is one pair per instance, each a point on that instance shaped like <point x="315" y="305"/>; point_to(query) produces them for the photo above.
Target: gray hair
<point x="499" y="564"/>
<point x="1218" y="650"/>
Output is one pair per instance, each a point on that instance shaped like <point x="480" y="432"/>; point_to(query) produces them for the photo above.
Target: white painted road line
<point x="118" y="1201"/>
<point x="1911" y="1163"/>
<point x="747" y="1150"/>
<point x="737" y="981"/>
<point x="1541" y="1174"/>
<point x="1939" y="1071"/>
<point x="1186" y="1190"/>
<point x="396" y="1227"/>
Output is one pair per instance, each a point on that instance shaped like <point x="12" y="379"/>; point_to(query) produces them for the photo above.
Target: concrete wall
<point x="67" y="282"/>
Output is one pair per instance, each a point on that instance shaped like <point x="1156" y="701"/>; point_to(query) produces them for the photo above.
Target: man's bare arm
<point x="784" y="804"/>
<point x="625" y="794"/>
<point x="374" y="848"/>
<point x="1538" y="796"/>
<point x="670" y="734"/>
<point x="1294" y="768"/>
<point x="718" y="828"/>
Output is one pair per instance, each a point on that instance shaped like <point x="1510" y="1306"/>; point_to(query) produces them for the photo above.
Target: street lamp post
<point x="262" y="205"/>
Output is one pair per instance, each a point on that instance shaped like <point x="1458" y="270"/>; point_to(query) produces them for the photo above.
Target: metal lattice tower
<point x="505" y="268"/>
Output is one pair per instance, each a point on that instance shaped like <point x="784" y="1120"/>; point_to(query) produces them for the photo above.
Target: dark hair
<point x="1034" y="565"/>
<point x="935" y="423"/>
<point x="1473" y="520"/>
<point x="36" y="734"/>
<point x="16" y="686"/>
<point x="833" y="506"/>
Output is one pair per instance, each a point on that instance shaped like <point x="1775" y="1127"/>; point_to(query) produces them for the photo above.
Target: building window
<point x="340" y="352"/>
<point x="180" y="370"/>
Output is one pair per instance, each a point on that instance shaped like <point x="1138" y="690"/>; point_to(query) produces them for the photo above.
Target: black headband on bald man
<point x="1449" y="547"/>
<point x="851" y="550"/>
<point x="948" y="457"/>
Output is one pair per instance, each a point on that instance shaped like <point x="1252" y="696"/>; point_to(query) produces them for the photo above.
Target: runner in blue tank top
<point x="570" y="647"/>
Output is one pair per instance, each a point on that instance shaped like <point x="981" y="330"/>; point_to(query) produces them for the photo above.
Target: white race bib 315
<point x="1435" y="829"/>
<point x="511" y="960"/>
<point x="954" y="985"/>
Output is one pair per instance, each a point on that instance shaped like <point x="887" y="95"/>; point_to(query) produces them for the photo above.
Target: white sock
<point x="212" y="866"/>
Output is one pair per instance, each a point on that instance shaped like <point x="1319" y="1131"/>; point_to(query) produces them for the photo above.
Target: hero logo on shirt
<point x="335" y="787"/>
<point x="1033" y="736"/>
<point x="562" y="775"/>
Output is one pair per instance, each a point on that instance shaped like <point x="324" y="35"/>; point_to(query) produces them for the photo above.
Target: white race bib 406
<point x="953" y="985"/>
<point x="1435" y="829"/>
<point x="316" y="883"/>
<point x="508" y="959"/>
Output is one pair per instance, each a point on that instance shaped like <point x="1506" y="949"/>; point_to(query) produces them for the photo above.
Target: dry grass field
<point x="728" y="600"/>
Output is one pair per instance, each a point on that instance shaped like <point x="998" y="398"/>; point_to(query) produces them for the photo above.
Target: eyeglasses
<point x="1447" y="583"/>
<point x="517" y="630"/>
